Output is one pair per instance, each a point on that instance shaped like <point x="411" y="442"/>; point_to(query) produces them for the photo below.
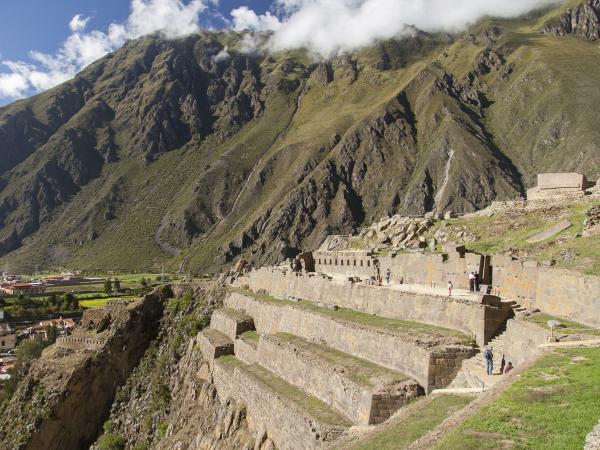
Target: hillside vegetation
<point x="160" y="151"/>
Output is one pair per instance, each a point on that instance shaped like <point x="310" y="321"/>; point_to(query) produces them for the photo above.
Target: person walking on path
<point x="471" y="282"/>
<point x="476" y="281"/>
<point x="450" y="286"/>
<point x="502" y="364"/>
<point x="489" y="361"/>
<point x="388" y="274"/>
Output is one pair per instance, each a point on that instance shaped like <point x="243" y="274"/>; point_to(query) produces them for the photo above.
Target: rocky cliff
<point x="65" y="397"/>
<point x="183" y="151"/>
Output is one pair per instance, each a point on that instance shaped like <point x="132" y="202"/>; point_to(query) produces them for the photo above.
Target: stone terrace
<point x="476" y="315"/>
<point x="307" y="373"/>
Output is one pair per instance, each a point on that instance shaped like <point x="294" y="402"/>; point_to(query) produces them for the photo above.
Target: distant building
<point x="6" y="328"/>
<point x="8" y="342"/>
<point x="24" y="288"/>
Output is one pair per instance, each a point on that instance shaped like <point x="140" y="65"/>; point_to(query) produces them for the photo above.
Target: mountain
<point x="191" y="152"/>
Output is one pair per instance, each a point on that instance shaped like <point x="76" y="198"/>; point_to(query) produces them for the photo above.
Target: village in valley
<point x="36" y="310"/>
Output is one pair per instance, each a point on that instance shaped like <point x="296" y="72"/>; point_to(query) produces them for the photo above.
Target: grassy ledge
<point x="552" y="406"/>
<point x="425" y="416"/>
<point x="417" y="330"/>
<point x="571" y="327"/>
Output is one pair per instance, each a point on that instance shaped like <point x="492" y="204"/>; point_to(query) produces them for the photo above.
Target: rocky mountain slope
<point x="180" y="151"/>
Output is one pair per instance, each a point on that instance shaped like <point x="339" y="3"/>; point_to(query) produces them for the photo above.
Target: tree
<point x="117" y="284"/>
<point x="144" y="282"/>
<point x="53" y="299"/>
<point x="51" y="334"/>
<point x="24" y="302"/>
<point x="67" y="301"/>
<point x="107" y="286"/>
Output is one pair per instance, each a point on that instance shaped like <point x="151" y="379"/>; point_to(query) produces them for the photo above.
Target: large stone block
<point x="231" y="322"/>
<point x="395" y="350"/>
<point x="245" y="350"/>
<point x="214" y="344"/>
<point x="364" y="392"/>
<point x="560" y="181"/>
<point x="291" y="419"/>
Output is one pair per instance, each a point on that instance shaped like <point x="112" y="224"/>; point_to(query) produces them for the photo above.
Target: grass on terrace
<point x="425" y="415"/>
<point x="312" y="405"/>
<point x="411" y="328"/>
<point x="509" y="229"/>
<point x="552" y="406"/>
<point x="100" y="302"/>
<point x="251" y="335"/>
<point x="571" y="327"/>
<point x="359" y="370"/>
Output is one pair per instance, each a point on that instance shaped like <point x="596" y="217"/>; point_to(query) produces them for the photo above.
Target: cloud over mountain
<point x="329" y="26"/>
<point x="325" y="27"/>
<point x="174" y="18"/>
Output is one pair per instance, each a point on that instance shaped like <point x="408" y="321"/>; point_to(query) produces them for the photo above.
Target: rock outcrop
<point x="68" y="392"/>
<point x="582" y="21"/>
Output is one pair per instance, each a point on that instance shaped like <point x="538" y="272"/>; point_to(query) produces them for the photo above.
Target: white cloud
<point x="246" y="19"/>
<point x="327" y="27"/>
<point x="78" y="23"/>
<point x="223" y="55"/>
<point x="173" y="18"/>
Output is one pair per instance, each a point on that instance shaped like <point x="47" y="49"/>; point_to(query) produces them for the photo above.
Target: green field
<point x="552" y="406"/>
<point x="100" y="302"/>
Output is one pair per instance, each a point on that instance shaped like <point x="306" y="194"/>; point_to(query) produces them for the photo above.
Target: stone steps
<point x="292" y="418"/>
<point x="231" y="322"/>
<point x="431" y="363"/>
<point x="214" y="344"/>
<point x="364" y="392"/>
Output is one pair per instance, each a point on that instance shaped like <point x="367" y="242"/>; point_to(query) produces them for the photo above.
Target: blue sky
<point x="46" y="42"/>
<point x="43" y="24"/>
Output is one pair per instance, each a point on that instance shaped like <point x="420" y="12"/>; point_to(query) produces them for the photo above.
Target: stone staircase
<point x="473" y="371"/>
<point x="306" y="378"/>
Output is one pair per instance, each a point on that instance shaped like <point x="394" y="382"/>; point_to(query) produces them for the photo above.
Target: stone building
<point x="551" y="185"/>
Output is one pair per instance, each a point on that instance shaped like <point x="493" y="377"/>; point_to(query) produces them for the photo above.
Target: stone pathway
<point x="435" y="290"/>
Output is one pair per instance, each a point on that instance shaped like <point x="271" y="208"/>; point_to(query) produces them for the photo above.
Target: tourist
<point x="476" y="280"/>
<point x="471" y="282"/>
<point x="488" y="356"/>
<point x="388" y="274"/>
<point x="509" y="367"/>
<point x="450" y="286"/>
<point x="502" y="364"/>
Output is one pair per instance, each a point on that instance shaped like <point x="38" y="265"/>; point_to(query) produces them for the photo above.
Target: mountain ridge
<point x="160" y="152"/>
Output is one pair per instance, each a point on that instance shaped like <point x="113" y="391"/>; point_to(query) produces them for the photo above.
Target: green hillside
<point x="159" y="153"/>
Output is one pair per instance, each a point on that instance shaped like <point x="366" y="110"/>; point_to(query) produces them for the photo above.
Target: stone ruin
<point x="553" y="185"/>
<point x="308" y="370"/>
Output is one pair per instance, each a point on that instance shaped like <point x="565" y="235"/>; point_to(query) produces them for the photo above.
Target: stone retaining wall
<point x="410" y="268"/>
<point x="327" y="383"/>
<point x="560" y="292"/>
<point x="522" y="341"/>
<point x="245" y="350"/>
<point x="475" y="319"/>
<point x="231" y="323"/>
<point x="80" y="342"/>
<point x="287" y="426"/>
<point x="386" y="350"/>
